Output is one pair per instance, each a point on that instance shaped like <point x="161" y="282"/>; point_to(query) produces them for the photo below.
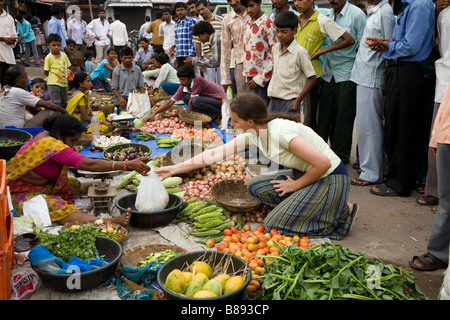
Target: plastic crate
<point x="6" y="238"/>
<point x="31" y="130"/>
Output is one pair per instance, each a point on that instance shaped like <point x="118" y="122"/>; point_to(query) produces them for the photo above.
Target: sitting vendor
<point x="48" y="156"/>
<point x="78" y="105"/>
<point x="199" y="94"/>
<point x="165" y="74"/>
<point x="99" y="75"/>
<point x="126" y="78"/>
<point x="313" y="203"/>
<point x="14" y="100"/>
<point x="144" y="54"/>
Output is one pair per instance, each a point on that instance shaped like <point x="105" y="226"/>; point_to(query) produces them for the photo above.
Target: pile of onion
<point x="162" y="126"/>
<point x="254" y="216"/>
<point x="201" y="188"/>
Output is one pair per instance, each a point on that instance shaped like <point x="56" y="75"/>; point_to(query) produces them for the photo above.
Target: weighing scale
<point x="101" y="193"/>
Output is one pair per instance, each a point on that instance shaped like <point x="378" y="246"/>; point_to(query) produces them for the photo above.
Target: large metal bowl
<point x="154" y="219"/>
<point x="139" y="146"/>
<point x="237" y="266"/>
<point x="110" y="249"/>
<point x="7" y="152"/>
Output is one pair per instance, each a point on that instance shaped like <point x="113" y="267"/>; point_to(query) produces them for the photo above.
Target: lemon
<point x="110" y="230"/>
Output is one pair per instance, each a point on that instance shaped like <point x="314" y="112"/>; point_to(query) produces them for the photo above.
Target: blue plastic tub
<point x="30" y="130"/>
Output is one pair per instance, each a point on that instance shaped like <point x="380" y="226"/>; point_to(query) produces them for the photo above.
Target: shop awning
<point x="129" y="3"/>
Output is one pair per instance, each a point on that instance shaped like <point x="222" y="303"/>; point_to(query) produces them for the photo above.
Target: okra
<point x="191" y="207"/>
<point x="239" y="221"/>
<point x="192" y="200"/>
<point x="210" y="224"/>
<point x="205" y="209"/>
<point x="206" y="220"/>
<point x="207" y="233"/>
<point x="212" y="214"/>
<point x="211" y="202"/>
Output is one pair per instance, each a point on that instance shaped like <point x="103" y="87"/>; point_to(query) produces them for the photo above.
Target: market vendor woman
<point x="78" y="105"/>
<point x="41" y="167"/>
<point x="315" y="204"/>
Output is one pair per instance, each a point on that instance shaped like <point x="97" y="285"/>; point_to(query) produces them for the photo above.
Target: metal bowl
<point x="237" y="266"/>
<point x="154" y="219"/>
<point x="139" y="146"/>
<point x="7" y="152"/>
<point x="110" y="249"/>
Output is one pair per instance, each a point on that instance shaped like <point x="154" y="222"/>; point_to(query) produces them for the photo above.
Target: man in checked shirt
<point x="184" y="46"/>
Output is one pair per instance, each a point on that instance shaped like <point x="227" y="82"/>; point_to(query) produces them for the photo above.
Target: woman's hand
<point x="165" y="172"/>
<point x="139" y="165"/>
<point x="284" y="187"/>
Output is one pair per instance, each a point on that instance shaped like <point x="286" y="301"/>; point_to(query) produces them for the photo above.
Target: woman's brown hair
<point x="249" y="106"/>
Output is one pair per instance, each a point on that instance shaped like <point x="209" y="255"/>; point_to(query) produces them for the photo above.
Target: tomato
<point x="295" y="238"/>
<point x="252" y="247"/>
<point x="234" y="230"/>
<point x="273" y="232"/>
<point x="260" y="228"/>
<point x="210" y="243"/>
<point x="246" y="228"/>
<point x="227" y="232"/>
<point x="220" y="246"/>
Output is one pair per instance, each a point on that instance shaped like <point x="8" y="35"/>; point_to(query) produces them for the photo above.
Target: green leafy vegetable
<point x="333" y="272"/>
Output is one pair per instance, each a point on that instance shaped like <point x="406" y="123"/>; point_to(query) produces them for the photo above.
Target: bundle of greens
<point x="333" y="272"/>
<point x="78" y="242"/>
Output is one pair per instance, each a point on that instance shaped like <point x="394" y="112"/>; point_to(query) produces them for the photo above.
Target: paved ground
<point x="393" y="229"/>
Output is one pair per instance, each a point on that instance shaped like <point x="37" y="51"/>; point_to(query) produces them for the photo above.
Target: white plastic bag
<point x="37" y="206"/>
<point x="138" y="104"/>
<point x="444" y="294"/>
<point x="151" y="195"/>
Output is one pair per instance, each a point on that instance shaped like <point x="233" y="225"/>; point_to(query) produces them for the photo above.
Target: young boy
<point x="259" y="37"/>
<point x="200" y="95"/>
<point x="206" y="34"/>
<point x="99" y="75"/>
<point x="125" y="78"/>
<point x="314" y="29"/>
<point x="76" y="59"/>
<point x="293" y="75"/>
<point x="55" y="68"/>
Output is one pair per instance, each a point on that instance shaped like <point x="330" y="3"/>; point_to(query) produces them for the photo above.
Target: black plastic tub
<point x="213" y="257"/>
<point x="7" y="152"/>
<point x="154" y="219"/>
<point x="109" y="249"/>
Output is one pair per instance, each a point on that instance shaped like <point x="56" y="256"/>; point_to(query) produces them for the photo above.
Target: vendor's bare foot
<point x="123" y="219"/>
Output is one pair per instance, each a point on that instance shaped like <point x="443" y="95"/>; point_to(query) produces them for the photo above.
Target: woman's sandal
<point x="430" y="263"/>
<point x="383" y="191"/>
<point x="354" y="213"/>
<point x="427" y="201"/>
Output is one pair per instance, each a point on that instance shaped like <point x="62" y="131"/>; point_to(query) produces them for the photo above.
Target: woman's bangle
<point x="113" y="165"/>
<point x="125" y="165"/>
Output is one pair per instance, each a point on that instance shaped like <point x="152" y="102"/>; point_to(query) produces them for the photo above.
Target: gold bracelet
<point x="113" y="165"/>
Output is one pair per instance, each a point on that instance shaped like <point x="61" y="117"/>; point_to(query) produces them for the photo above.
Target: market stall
<point x="211" y="243"/>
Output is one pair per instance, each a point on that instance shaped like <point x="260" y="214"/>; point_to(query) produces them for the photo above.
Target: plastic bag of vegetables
<point x="152" y="195"/>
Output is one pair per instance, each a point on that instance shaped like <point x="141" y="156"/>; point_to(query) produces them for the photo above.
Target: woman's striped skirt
<point x="317" y="210"/>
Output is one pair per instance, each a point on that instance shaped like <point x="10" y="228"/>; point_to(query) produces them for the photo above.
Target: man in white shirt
<point x="76" y="30"/>
<point x="100" y="30"/>
<point x="8" y="39"/>
<point x="119" y="33"/>
<point x="167" y="30"/>
<point x="143" y="30"/>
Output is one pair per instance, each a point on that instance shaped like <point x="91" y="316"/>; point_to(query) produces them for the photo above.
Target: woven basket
<point x="174" y="107"/>
<point x="119" y="229"/>
<point x="233" y="196"/>
<point x="107" y="110"/>
<point x="133" y="255"/>
<point x="191" y="117"/>
<point x="85" y="140"/>
<point x="154" y="100"/>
